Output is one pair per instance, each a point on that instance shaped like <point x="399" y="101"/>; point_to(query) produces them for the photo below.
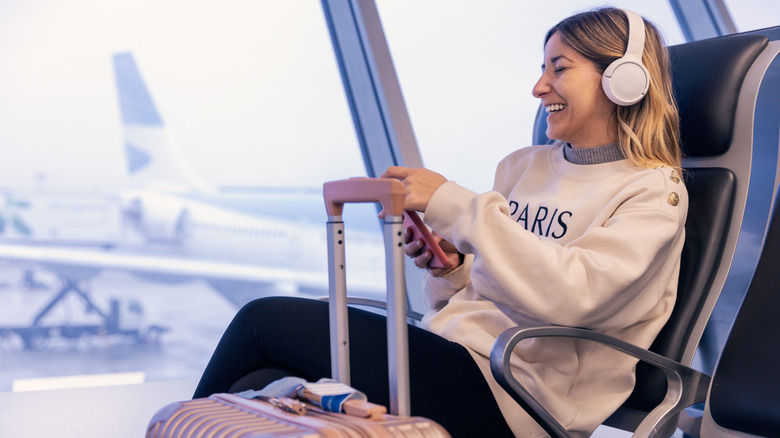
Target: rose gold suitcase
<point x="230" y="415"/>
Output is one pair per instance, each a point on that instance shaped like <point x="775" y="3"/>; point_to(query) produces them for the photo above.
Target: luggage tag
<point x="329" y="395"/>
<point x="337" y="397"/>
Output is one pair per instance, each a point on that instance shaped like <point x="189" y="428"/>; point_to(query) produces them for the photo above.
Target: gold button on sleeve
<point x="674" y="199"/>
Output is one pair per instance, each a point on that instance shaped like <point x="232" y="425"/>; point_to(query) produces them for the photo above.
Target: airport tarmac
<point x="192" y="316"/>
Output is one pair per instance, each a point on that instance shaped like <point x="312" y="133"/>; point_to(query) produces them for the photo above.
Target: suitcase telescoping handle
<point x="391" y="193"/>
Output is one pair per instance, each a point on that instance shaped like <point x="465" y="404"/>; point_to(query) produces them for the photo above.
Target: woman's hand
<point x="413" y="249"/>
<point x="420" y="185"/>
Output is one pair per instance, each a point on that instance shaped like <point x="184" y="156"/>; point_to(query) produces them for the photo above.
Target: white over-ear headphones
<point x="626" y="80"/>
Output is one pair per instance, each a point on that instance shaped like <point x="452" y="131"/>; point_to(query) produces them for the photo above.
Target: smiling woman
<point x="574" y="234"/>
<point x="646" y="123"/>
<point x="579" y="113"/>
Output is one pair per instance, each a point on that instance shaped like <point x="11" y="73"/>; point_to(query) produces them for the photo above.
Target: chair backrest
<point x="745" y="391"/>
<point x="708" y="78"/>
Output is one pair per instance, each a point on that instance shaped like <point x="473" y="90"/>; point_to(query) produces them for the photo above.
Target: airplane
<point x="169" y="225"/>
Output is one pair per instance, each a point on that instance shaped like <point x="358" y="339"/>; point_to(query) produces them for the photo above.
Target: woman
<point x="584" y="232"/>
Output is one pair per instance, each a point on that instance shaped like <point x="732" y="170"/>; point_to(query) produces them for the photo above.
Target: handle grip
<point x="390" y="192"/>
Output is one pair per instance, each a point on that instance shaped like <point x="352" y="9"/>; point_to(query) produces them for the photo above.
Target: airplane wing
<point x="76" y="264"/>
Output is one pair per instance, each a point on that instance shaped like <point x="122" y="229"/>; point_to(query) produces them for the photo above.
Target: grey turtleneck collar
<point x="598" y="155"/>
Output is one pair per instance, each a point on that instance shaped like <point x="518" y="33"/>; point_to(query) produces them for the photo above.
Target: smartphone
<point x="420" y="231"/>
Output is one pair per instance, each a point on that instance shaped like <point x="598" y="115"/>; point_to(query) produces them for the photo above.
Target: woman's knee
<point x="271" y="307"/>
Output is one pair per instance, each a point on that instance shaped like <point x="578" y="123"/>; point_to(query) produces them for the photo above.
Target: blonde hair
<point x="649" y="130"/>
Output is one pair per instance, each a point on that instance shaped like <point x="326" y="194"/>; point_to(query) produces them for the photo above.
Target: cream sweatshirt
<point x="595" y="246"/>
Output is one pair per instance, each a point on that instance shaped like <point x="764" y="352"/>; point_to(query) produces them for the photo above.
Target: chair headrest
<point x="707" y="77"/>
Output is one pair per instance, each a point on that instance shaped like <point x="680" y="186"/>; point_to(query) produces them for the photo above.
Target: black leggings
<point x="275" y="337"/>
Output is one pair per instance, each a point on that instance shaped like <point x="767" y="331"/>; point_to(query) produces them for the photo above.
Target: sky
<point x="251" y="92"/>
<point x="230" y="80"/>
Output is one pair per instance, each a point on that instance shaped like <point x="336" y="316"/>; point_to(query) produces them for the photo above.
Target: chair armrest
<point x="686" y="386"/>
<point x="414" y="317"/>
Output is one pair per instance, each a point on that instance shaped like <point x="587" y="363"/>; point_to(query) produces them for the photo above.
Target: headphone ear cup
<point x="625" y="81"/>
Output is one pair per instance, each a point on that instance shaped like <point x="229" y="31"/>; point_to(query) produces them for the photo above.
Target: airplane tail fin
<point x="152" y="158"/>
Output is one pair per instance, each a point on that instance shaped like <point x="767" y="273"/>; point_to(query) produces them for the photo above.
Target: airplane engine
<point x="158" y="218"/>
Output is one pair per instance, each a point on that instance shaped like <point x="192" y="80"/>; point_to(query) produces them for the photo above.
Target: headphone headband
<point x="636" y="34"/>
